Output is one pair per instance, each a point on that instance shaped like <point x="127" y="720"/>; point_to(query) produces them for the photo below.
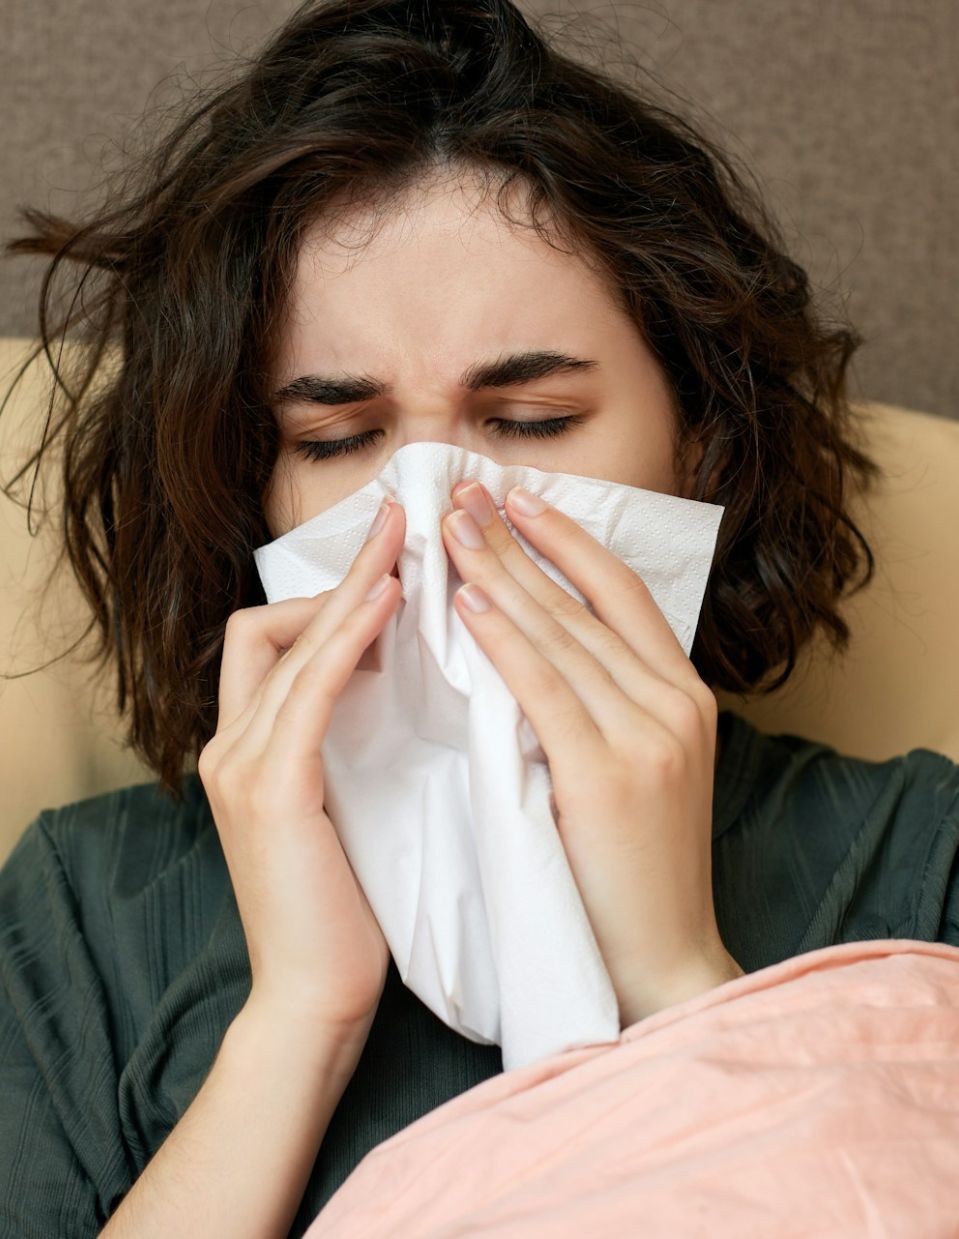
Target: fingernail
<point x="475" y="502"/>
<point x="466" y="531"/>
<point x="474" y="597"/>
<point x="379" y="520"/>
<point x="523" y="501"/>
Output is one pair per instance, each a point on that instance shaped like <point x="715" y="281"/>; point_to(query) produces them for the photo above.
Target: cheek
<point x="640" y="462"/>
<point x="666" y="472"/>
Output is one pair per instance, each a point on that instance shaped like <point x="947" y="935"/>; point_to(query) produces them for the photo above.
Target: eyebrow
<point x="506" y="371"/>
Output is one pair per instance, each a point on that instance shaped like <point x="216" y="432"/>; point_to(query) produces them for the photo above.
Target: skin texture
<point x="626" y="723"/>
<point x="361" y="304"/>
<point x="446" y="282"/>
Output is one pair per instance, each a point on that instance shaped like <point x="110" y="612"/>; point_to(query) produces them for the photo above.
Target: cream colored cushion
<point x="896" y="689"/>
<point x="897" y="686"/>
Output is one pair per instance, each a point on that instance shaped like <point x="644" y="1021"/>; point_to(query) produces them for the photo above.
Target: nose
<point x="394" y="571"/>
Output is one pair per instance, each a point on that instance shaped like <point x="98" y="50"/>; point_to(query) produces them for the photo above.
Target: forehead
<point x="444" y="262"/>
<point x="440" y="204"/>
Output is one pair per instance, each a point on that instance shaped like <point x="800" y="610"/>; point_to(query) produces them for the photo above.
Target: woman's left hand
<point x="629" y="732"/>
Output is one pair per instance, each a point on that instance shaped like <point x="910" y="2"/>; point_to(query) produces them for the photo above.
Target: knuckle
<point x="545" y="682"/>
<point x="208" y="760"/>
<point x="706" y="700"/>
<point x="633" y="584"/>
<point x="241" y="620"/>
<point x="565" y="606"/>
<point x="668" y="758"/>
<point x="610" y="643"/>
<point x="685" y="713"/>
<point x="557" y="639"/>
<point x="300" y="646"/>
<point x="223" y="776"/>
<point x="311" y="679"/>
<point x="307" y="676"/>
<point x="663" y="756"/>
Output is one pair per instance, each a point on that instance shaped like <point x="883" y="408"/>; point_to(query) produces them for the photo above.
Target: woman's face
<point x="447" y="287"/>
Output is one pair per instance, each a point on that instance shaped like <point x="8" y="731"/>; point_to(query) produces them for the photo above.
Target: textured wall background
<point x="848" y="112"/>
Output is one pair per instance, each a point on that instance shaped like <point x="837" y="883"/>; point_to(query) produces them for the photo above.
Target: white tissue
<point x="435" y="780"/>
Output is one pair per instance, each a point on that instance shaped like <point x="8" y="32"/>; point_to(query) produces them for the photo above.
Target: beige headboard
<point x="897" y="688"/>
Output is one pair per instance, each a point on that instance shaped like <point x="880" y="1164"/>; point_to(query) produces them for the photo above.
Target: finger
<point x="265" y="649"/>
<point x="568" y="734"/>
<point x="619" y="597"/>
<point x="563" y="724"/>
<point x="502" y="548"/>
<point x="253" y="642"/>
<point x="296" y="721"/>
<point x="303" y="717"/>
<point x="530" y="648"/>
<point x="607" y="676"/>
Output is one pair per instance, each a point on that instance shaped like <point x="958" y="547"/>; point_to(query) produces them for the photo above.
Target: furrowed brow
<point x="506" y="371"/>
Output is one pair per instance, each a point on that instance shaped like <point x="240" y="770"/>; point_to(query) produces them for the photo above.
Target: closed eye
<point x="323" y="449"/>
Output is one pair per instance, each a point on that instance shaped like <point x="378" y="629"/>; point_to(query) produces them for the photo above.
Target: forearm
<point x="237" y="1162"/>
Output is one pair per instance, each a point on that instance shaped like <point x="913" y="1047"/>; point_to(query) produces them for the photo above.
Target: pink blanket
<point x="816" y="1097"/>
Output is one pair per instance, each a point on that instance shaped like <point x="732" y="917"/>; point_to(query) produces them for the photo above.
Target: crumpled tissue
<point x="434" y="779"/>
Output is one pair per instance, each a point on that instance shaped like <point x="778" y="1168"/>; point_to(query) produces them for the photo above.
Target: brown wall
<point x="848" y="109"/>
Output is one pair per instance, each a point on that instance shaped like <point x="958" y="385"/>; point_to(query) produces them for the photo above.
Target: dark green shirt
<point x="123" y="959"/>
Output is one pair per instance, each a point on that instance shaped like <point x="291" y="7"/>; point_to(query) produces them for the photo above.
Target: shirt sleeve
<point x="929" y="826"/>
<point x="63" y="1164"/>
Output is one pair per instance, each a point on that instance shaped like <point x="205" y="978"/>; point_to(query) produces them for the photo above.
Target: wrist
<point x="704" y="973"/>
<point x="266" y="1030"/>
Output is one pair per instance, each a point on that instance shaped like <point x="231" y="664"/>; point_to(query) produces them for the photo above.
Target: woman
<point x="202" y="1028"/>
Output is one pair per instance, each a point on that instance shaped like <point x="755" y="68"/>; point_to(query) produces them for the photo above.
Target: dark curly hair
<point x="170" y="438"/>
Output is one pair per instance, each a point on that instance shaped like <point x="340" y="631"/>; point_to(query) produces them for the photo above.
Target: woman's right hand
<point x="315" y="947"/>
